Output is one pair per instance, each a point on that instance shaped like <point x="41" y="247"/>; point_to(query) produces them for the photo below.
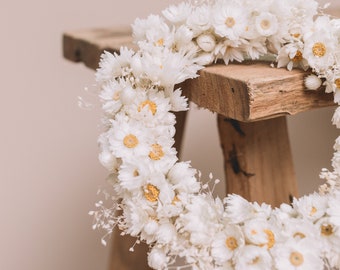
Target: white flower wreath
<point x="161" y="199"/>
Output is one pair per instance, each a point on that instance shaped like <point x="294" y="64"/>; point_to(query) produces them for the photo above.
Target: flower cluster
<point x="160" y="199"/>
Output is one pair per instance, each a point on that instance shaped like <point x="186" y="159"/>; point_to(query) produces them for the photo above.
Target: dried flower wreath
<point x="161" y="199"/>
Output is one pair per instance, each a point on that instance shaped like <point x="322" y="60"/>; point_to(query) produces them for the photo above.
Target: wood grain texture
<point x="250" y="91"/>
<point x="258" y="160"/>
<point x="87" y="45"/>
<point x="253" y="91"/>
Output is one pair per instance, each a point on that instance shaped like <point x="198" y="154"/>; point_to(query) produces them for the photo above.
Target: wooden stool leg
<point x="258" y="160"/>
<point x="121" y="258"/>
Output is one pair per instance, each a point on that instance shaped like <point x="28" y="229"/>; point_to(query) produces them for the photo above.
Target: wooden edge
<point x="254" y="91"/>
<point x="87" y="45"/>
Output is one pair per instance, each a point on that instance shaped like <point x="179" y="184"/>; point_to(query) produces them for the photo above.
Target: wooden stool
<point x="251" y="100"/>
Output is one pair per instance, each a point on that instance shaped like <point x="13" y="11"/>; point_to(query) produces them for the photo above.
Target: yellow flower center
<point x="135" y="173"/>
<point x="160" y="42"/>
<point x="337" y="83"/>
<point x="319" y="49"/>
<point x="130" y="141"/>
<point x="299" y="234"/>
<point x="151" y="105"/>
<point x="231" y="243"/>
<point x="298" y="57"/>
<point x="296" y="35"/>
<point x="230" y="22"/>
<point x="175" y="200"/>
<point x="151" y="193"/>
<point x="157" y="152"/>
<point x="115" y="96"/>
<point x="265" y="24"/>
<point x="327" y="230"/>
<point x="296" y="258"/>
<point x="313" y="211"/>
<point x="271" y="238"/>
<point x="255" y="260"/>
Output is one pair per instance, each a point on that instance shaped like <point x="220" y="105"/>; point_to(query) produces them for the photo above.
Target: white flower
<point x="253" y="258"/>
<point x="134" y="173"/>
<point x="229" y="51"/>
<point x="178" y="14"/>
<point x="113" y="65"/>
<point x="136" y="215"/>
<point x="128" y="139"/>
<point x="336" y="161"/>
<point x="183" y="39"/>
<point x="110" y="97"/>
<point x="318" y="50"/>
<point x="157" y="258"/>
<point x="298" y="254"/>
<point x="330" y="234"/>
<point x="260" y="232"/>
<point x="291" y="56"/>
<point x="201" y="221"/>
<point x="229" y="20"/>
<point x="239" y="210"/>
<point x="266" y="24"/>
<point x="177" y="100"/>
<point x="151" y="108"/>
<point x="106" y="158"/>
<point x="311" y="207"/>
<point x="167" y="68"/>
<point x="182" y="176"/>
<point x="226" y="243"/>
<point x="166" y="233"/>
<point x="313" y="82"/>
<point x="154" y="30"/>
<point x="300" y="229"/>
<point x="200" y="19"/>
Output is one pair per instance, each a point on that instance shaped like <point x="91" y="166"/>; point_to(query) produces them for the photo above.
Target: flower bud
<point x="313" y="82"/>
<point x="206" y="42"/>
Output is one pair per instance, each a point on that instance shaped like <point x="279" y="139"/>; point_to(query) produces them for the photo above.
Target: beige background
<point x="49" y="170"/>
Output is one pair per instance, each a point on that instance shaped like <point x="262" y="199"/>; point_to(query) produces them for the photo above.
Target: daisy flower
<point x="318" y="50"/>
<point x="226" y="243"/>
<point x="199" y="21"/>
<point x="266" y="24"/>
<point x="230" y="20"/>
<point x="297" y="254"/>
<point x="260" y="232"/>
<point x="178" y="14"/>
<point x="134" y="173"/>
<point x="311" y="207"/>
<point x="128" y="139"/>
<point x="114" y="65"/>
<point x="153" y="30"/>
<point x="151" y="108"/>
<point x="291" y="56"/>
<point x="182" y="176"/>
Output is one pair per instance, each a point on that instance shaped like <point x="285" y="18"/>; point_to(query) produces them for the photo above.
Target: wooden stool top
<point x="249" y="91"/>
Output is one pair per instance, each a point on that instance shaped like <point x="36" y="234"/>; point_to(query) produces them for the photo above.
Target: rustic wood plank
<point x="258" y="160"/>
<point x="253" y="91"/>
<point x="87" y="45"/>
<point x="250" y="91"/>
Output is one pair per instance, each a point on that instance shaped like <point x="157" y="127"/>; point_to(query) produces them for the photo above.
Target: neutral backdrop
<point x="49" y="171"/>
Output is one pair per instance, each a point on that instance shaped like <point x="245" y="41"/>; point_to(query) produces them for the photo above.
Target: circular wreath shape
<point x="161" y="200"/>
